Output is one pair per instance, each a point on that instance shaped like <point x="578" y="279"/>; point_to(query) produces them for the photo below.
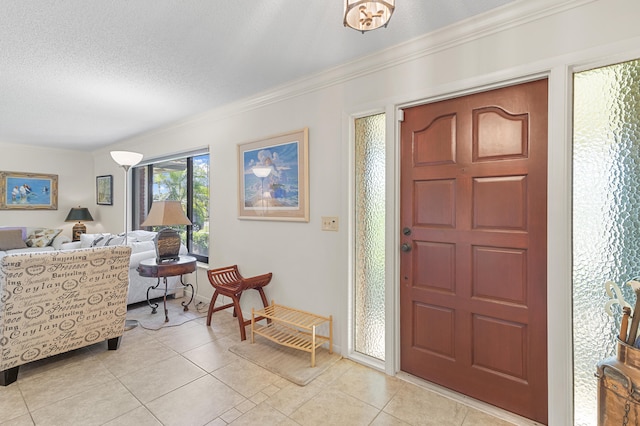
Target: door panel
<point x="473" y="287"/>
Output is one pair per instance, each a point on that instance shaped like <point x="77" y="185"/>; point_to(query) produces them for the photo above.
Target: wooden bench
<point x="292" y="328"/>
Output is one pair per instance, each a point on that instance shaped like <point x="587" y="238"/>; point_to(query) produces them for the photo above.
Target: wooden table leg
<point x="253" y="323"/>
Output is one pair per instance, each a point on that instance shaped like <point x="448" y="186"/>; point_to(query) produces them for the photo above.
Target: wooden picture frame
<point x="28" y="191"/>
<point x="104" y="190"/>
<point x="273" y="178"/>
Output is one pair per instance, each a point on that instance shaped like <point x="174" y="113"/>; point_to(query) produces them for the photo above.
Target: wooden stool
<point x="227" y="281"/>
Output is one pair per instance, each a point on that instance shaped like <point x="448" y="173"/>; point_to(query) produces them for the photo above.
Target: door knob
<point x="405" y="248"/>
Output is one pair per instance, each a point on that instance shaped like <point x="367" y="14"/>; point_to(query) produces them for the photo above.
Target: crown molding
<point x="477" y="27"/>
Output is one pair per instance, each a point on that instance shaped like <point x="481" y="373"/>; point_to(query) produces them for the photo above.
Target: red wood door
<point x="473" y="267"/>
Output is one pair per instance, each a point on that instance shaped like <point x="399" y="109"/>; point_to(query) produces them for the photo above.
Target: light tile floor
<point x="185" y="375"/>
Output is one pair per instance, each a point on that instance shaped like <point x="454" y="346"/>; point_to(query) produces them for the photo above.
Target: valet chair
<point x="228" y="282"/>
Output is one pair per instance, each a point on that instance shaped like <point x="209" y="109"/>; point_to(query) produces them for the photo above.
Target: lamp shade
<point x="126" y="158"/>
<point x="80" y="214"/>
<point x="367" y="15"/>
<point x="166" y="213"/>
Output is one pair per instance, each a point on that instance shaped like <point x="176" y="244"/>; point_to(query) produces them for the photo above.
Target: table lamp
<point x="166" y="213"/>
<point x="81" y="214"/>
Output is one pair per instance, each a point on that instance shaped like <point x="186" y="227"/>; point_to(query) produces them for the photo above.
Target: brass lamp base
<point x="167" y="245"/>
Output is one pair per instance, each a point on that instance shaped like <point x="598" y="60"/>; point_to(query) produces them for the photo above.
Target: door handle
<point x="405" y="248"/>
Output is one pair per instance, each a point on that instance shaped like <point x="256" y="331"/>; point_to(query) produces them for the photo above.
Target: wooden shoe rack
<point x="292" y="328"/>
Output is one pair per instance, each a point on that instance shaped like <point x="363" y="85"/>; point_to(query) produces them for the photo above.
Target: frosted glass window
<point x="606" y="215"/>
<point x="369" y="239"/>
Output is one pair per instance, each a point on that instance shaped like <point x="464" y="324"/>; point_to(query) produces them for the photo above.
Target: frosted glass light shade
<point x="126" y="158"/>
<point x="367" y="15"/>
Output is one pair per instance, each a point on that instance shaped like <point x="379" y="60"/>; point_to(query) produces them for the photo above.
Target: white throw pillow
<point x="102" y="240"/>
<point x="87" y="239"/>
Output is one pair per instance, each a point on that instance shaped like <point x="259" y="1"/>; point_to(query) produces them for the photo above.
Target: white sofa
<point x="16" y="239"/>
<point x="39" y="239"/>
<point x="142" y="247"/>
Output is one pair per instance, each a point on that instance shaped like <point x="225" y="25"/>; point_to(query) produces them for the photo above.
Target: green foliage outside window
<point x="170" y="181"/>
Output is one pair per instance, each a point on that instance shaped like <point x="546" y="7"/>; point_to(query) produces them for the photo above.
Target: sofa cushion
<point x="142" y="235"/>
<point x="11" y="239"/>
<point x="22" y="229"/>
<point x="100" y="240"/>
<point x="41" y="237"/>
<point x="72" y="245"/>
<point x="140" y="246"/>
<point x="59" y="241"/>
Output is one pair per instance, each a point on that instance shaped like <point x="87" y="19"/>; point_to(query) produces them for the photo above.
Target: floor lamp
<point x="126" y="160"/>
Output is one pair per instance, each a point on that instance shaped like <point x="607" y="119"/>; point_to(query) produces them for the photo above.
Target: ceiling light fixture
<point x="367" y="15"/>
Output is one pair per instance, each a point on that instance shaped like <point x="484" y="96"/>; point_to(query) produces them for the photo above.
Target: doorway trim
<point x="559" y="71"/>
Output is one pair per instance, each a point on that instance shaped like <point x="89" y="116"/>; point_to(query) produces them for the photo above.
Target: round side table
<point x="172" y="268"/>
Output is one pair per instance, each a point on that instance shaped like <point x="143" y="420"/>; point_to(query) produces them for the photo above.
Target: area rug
<point x="288" y="363"/>
<point x="141" y="312"/>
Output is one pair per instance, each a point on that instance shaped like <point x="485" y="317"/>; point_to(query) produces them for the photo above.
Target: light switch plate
<point x="329" y="223"/>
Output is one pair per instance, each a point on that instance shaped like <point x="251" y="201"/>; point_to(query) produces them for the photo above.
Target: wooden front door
<point x="473" y="265"/>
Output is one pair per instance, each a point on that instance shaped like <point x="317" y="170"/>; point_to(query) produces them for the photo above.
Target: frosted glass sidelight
<point x="606" y="215"/>
<point x="369" y="238"/>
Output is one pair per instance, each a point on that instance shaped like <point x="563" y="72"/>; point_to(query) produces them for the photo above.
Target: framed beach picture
<point x="104" y="190"/>
<point x="28" y="191"/>
<point x="274" y="178"/>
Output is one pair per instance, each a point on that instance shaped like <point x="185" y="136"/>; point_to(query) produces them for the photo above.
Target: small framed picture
<point x="104" y="190"/>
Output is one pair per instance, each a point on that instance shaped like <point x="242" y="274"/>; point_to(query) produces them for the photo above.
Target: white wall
<point x="308" y="264"/>
<point x="76" y="184"/>
<point x="311" y="266"/>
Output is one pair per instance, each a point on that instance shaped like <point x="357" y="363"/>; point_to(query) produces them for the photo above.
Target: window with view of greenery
<point x="180" y="178"/>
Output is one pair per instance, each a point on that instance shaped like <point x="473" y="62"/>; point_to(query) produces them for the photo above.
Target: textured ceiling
<point x="82" y="74"/>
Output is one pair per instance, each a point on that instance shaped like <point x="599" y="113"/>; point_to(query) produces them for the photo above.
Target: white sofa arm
<point x="137" y="257"/>
<point x="70" y="245"/>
